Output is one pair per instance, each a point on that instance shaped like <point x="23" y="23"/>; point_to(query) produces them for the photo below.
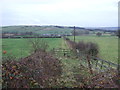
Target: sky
<point x="84" y="13"/>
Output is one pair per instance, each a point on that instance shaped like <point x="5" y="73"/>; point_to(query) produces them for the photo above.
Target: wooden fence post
<point x="89" y="65"/>
<point x="102" y="64"/>
<point x="109" y="65"/>
<point x="96" y="62"/>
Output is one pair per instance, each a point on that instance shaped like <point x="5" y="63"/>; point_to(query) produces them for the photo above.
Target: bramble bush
<point x="98" y="34"/>
<point x="89" y="48"/>
<point x="38" y="70"/>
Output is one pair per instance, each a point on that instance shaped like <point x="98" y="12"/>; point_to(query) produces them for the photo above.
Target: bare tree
<point x="38" y="44"/>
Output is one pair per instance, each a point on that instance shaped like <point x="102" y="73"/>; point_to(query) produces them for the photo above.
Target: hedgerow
<point x="37" y="70"/>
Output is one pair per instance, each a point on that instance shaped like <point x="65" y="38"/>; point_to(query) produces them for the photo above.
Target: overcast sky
<point x="85" y="13"/>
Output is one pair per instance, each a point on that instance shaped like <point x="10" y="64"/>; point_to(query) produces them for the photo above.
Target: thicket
<point x="39" y="70"/>
<point x="89" y="48"/>
<point x="99" y="34"/>
<point x="86" y="49"/>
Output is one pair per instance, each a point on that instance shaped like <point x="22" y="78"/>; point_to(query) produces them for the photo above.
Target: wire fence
<point x="100" y="64"/>
<point x="96" y="63"/>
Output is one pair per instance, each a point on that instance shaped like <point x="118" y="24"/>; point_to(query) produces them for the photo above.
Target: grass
<point x="22" y="48"/>
<point x="70" y="66"/>
<point x="16" y="47"/>
<point x="108" y="46"/>
<point x="73" y="73"/>
<point x="72" y="70"/>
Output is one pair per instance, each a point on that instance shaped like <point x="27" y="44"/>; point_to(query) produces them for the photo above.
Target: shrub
<point x="81" y="46"/>
<point x="87" y="48"/>
<point x="67" y="38"/>
<point x="99" y="34"/>
<point x="37" y="70"/>
<point x="8" y="58"/>
<point x="38" y="44"/>
<point x="92" y="49"/>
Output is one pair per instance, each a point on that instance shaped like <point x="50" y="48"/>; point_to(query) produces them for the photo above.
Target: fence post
<point x="109" y="65"/>
<point x="89" y="65"/>
<point x="96" y="62"/>
<point x="102" y="64"/>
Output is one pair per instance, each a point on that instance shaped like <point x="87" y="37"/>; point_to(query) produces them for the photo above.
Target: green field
<point x="108" y="46"/>
<point x="21" y="47"/>
<point x="73" y="72"/>
<point x="70" y="66"/>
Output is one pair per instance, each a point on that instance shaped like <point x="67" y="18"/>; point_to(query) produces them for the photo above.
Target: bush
<point x="38" y="44"/>
<point x="92" y="49"/>
<point x="37" y="70"/>
<point x="81" y="46"/>
<point x="67" y="38"/>
<point x="87" y="48"/>
<point x="99" y="34"/>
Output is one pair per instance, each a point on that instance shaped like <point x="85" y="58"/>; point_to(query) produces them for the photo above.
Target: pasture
<point x="22" y="48"/>
<point x="74" y="74"/>
<point x="108" y="46"/>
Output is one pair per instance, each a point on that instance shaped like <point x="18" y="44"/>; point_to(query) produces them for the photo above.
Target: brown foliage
<point x="92" y="49"/>
<point x="105" y="79"/>
<point x="88" y="48"/>
<point x="37" y="70"/>
<point x="99" y="34"/>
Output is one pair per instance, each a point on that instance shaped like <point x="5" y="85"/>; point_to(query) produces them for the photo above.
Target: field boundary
<point x="33" y="37"/>
<point x="97" y="63"/>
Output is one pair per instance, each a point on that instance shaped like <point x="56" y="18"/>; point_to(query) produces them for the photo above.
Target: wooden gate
<point x="62" y="52"/>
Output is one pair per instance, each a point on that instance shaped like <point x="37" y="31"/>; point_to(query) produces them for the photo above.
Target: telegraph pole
<point x="74" y="33"/>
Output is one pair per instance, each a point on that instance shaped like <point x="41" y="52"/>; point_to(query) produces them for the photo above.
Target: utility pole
<point x="74" y="33"/>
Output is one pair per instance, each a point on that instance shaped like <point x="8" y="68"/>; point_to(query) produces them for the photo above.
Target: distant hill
<point x="50" y="29"/>
<point x="103" y="28"/>
<point x="40" y="29"/>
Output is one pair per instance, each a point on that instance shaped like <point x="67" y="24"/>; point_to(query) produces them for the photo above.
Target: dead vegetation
<point x="42" y="70"/>
<point x="37" y="70"/>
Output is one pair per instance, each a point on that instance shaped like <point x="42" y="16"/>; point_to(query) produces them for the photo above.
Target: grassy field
<point x="108" y="46"/>
<point x="73" y="72"/>
<point x="71" y="66"/>
<point x="22" y="47"/>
